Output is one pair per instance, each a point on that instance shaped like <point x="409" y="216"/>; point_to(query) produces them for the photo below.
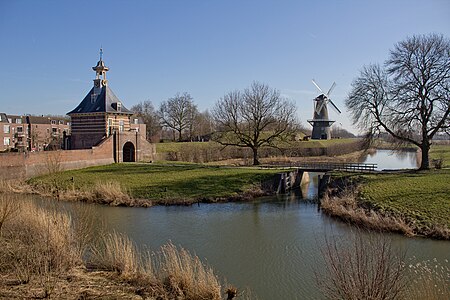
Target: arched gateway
<point x="129" y="152"/>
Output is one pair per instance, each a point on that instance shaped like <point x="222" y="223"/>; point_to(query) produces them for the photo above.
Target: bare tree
<point x="147" y="112"/>
<point x="409" y="97"/>
<point x="256" y="117"/>
<point x="203" y="125"/>
<point x="362" y="266"/>
<point x="178" y="113"/>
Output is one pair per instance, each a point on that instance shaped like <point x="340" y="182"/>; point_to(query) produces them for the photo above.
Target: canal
<point x="271" y="245"/>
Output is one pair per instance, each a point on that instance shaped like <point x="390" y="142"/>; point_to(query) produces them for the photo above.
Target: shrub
<point x="362" y="267"/>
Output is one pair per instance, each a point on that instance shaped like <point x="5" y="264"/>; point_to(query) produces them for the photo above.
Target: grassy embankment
<point x="149" y="184"/>
<point x="410" y="202"/>
<point x="204" y="152"/>
<point x="48" y="253"/>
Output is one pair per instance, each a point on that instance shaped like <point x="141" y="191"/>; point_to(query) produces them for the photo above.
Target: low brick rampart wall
<point x="29" y="164"/>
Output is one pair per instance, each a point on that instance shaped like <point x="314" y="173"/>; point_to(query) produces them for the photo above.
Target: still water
<point x="390" y="160"/>
<point x="271" y="245"/>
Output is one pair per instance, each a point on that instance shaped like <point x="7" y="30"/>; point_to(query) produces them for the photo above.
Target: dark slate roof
<point x="38" y="120"/>
<point x="3" y="118"/>
<point x="106" y="101"/>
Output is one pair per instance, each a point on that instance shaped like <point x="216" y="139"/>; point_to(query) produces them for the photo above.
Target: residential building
<point x="32" y="133"/>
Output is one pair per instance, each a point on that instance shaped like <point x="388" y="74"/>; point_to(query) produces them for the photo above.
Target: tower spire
<point x="100" y="71"/>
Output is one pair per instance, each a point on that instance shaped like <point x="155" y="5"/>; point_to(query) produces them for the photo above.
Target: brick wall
<point x="29" y="164"/>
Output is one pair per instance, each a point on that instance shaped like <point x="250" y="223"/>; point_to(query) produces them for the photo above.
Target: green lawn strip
<point x="441" y="152"/>
<point x="422" y="196"/>
<point x="163" y="181"/>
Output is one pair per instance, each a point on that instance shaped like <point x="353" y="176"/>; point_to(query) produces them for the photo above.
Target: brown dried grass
<point x="172" y="273"/>
<point x="346" y="208"/>
<point x="37" y="242"/>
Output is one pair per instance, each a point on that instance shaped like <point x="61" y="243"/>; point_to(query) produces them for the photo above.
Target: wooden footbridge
<point x="298" y="173"/>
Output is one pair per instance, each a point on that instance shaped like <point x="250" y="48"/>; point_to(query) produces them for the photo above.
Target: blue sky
<point x="157" y="48"/>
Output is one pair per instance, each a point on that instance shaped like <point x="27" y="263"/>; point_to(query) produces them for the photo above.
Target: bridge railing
<point x="337" y="166"/>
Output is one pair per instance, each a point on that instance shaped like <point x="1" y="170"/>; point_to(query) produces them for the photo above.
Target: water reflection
<point x="391" y="160"/>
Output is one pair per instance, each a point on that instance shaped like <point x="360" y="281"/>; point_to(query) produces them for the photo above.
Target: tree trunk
<point x="255" y="156"/>
<point x="425" y="148"/>
<point x="179" y="135"/>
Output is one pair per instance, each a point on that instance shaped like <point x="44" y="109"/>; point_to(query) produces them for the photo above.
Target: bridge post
<point x="323" y="184"/>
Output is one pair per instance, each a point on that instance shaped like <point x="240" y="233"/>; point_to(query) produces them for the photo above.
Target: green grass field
<point x="441" y="152"/>
<point x="162" y="181"/>
<point x="421" y="196"/>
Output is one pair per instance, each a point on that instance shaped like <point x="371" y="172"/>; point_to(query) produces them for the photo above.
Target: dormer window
<point x="119" y="106"/>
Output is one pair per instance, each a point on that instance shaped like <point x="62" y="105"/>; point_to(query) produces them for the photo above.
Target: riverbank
<point x="155" y="184"/>
<point x="50" y="253"/>
<point x="413" y="203"/>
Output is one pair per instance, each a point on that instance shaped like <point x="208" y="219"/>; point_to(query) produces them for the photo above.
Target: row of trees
<point x="255" y="117"/>
<point x="176" y="119"/>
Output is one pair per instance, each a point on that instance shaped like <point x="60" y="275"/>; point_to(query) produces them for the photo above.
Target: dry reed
<point x="37" y="242"/>
<point x="171" y="272"/>
<point x="346" y="208"/>
<point x="184" y="274"/>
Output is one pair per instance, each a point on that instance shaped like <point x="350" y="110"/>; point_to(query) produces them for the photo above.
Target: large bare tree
<point x="147" y="112"/>
<point x="256" y="117"/>
<point x="178" y="113"/>
<point x="409" y="96"/>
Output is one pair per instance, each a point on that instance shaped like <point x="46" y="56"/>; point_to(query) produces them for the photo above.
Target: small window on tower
<point x="119" y="106"/>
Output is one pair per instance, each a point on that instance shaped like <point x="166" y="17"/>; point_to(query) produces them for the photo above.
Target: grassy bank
<point x="128" y="184"/>
<point x="441" y="152"/>
<point x="203" y="152"/>
<point x="413" y="203"/>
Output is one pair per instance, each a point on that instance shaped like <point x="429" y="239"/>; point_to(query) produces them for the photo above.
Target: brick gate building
<point x="101" y="116"/>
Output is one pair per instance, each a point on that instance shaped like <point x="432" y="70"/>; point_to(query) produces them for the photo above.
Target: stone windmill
<point x="320" y="122"/>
